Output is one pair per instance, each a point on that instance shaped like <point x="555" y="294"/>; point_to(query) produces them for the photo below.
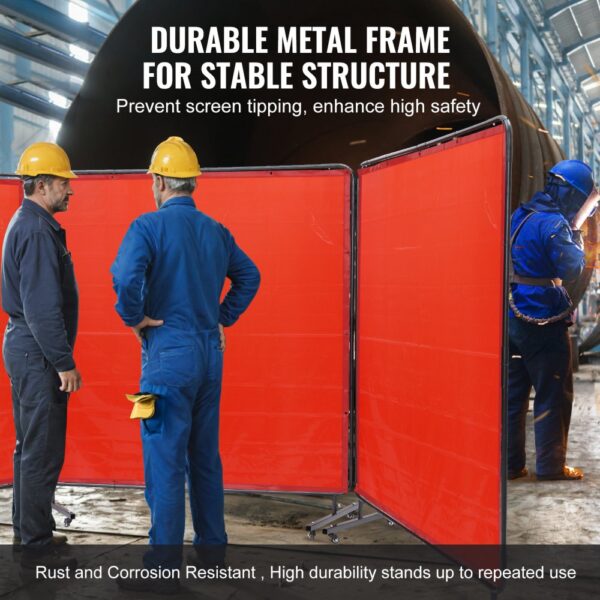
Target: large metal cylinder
<point x="97" y="138"/>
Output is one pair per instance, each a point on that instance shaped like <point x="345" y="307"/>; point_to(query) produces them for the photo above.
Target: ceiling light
<point x="58" y="99"/>
<point x="78" y="13"/>
<point x="80" y="53"/>
<point x="590" y="85"/>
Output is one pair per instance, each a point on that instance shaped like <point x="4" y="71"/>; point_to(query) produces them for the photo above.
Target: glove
<point x="143" y="405"/>
<point x="578" y="237"/>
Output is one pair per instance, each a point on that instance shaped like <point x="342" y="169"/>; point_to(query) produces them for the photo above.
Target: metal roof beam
<point x="27" y="122"/>
<point x="68" y="88"/>
<point x="561" y="8"/>
<point x="40" y="16"/>
<point x="582" y="43"/>
<point x="588" y="77"/>
<point x="100" y="10"/>
<point x="41" y="53"/>
<point x="31" y="103"/>
<point x="113" y="8"/>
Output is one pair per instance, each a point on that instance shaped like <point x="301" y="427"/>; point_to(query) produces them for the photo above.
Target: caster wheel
<point x="391" y="523"/>
<point x="352" y="515"/>
<point x="334" y="538"/>
<point x="310" y="535"/>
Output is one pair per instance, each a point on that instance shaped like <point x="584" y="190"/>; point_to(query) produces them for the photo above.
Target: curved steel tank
<point x="97" y="138"/>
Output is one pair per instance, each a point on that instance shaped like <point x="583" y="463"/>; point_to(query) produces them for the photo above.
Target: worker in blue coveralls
<point x="546" y="248"/>
<point x="39" y="294"/>
<point x="168" y="277"/>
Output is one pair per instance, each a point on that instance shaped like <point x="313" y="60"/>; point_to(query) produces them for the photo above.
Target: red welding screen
<point x="285" y="394"/>
<point x="430" y="338"/>
<point x="10" y="198"/>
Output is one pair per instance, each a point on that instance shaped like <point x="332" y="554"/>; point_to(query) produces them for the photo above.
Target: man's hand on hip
<point x="222" y="337"/>
<point x="70" y="381"/>
<point x="145" y="322"/>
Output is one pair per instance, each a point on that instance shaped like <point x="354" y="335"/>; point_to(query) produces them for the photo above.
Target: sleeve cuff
<point x="132" y="321"/>
<point x="223" y="320"/>
<point x="64" y="364"/>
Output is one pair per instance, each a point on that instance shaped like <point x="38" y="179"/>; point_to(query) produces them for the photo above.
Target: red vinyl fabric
<point x="430" y="339"/>
<point x="10" y="198"/>
<point x="284" y="411"/>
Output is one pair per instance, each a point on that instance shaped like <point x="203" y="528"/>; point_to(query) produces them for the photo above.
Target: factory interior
<point x="535" y="61"/>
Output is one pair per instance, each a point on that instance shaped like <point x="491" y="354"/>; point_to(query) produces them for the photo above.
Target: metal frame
<point x="352" y="313"/>
<point x="353" y="248"/>
<point x="331" y="525"/>
<point x="490" y="123"/>
<point x="354" y="223"/>
<point x="337" y="511"/>
<point x="67" y="515"/>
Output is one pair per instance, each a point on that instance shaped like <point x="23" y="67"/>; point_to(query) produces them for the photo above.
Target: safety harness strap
<point x="539" y="281"/>
<point x="535" y="281"/>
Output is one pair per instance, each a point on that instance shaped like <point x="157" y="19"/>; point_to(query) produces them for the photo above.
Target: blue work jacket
<point x="544" y="247"/>
<point x="39" y="291"/>
<point x="172" y="265"/>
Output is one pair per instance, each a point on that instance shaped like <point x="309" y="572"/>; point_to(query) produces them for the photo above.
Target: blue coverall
<point x="39" y="294"/>
<point x="172" y="265"/>
<point x="540" y="355"/>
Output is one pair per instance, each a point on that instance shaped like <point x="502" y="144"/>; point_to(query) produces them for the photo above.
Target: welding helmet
<point x="174" y="158"/>
<point x="569" y="183"/>
<point x="575" y="173"/>
<point x="45" y="158"/>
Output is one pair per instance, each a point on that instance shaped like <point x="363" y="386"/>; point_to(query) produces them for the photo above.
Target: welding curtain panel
<point x="430" y="338"/>
<point x="284" y="406"/>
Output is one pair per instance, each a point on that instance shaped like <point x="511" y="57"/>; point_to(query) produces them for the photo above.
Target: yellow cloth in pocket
<point x="143" y="405"/>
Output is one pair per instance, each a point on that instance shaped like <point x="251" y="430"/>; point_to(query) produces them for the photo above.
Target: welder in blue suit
<point x="168" y="277"/>
<point x="546" y="248"/>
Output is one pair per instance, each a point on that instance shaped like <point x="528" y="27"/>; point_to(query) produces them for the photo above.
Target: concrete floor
<point x="538" y="512"/>
<point x="555" y="512"/>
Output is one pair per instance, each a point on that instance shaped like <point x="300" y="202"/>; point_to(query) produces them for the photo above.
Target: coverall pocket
<point x="154" y="425"/>
<point x="37" y="362"/>
<point x="179" y="366"/>
<point x="215" y="364"/>
<point x="15" y="363"/>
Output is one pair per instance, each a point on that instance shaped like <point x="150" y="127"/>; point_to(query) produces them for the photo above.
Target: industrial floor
<point x="538" y="512"/>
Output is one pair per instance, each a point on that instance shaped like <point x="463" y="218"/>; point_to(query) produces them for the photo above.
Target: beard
<point x="61" y="205"/>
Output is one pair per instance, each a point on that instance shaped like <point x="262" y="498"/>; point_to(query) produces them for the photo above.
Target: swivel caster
<point x="391" y="523"/>
<point x="68" y="520"/>
<point x="334" y="538"/>
<point x="352" y="515"/>
<point x="310" y="535"/>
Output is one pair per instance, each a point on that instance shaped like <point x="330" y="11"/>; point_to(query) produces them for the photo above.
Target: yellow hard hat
<point x="174" y="158"/>
<point x="45" y="158"/>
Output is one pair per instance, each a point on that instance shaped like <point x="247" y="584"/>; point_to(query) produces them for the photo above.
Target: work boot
<point x="517" y="474"/>
<point x="165" y="587"/>
<point x="208" y="556"/>
<point x="567" y="474"/>
<point x="58" y="539"/>
<point x="46" y="557"/>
